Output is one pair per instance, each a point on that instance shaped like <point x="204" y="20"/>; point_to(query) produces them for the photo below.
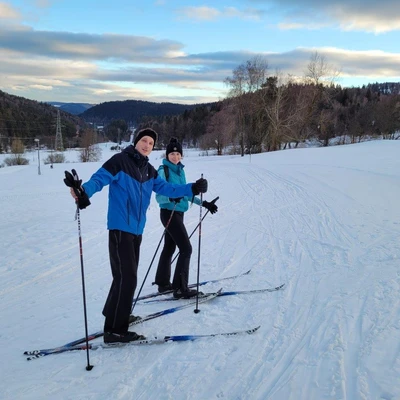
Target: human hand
<point x="211" y="206"/>
<point x="200" y="186"/>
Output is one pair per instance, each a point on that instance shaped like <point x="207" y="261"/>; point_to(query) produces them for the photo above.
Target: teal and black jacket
<point x="132" y="180"/>
<point x="176" y="175"/>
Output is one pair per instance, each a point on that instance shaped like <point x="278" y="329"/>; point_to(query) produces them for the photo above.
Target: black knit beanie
<point x="173" y="146"/>
<point x="145" y="132"/>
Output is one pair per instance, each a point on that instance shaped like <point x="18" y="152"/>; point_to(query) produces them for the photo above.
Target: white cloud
<point x="205" y="13"/>
<point x="200" y="13"/>
<point x="84" y="46"/>
<point x="348" y="15"/>
<point x="43" y="3"/>
<point x="41" y="87"/>
<point x="368" y="23"/>
<point x="7" y="12"/>
<point x="298" y="25"/>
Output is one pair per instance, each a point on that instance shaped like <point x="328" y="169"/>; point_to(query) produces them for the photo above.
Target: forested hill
<point x="72" y="108"/>
<point x="390" y="88"/>
<point x="132" y="111"/>
<point x="28" y="119"/>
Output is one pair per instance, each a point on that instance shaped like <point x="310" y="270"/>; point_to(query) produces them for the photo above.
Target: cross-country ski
<point x="35" y="354"/>
<point x="192" y="285"/>
<point x="149" y="317"/>
<point x="227" y="293"/>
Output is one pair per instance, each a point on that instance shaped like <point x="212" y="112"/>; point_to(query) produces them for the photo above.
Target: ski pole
<point x="78" y="217"/>
<point x="74" y="183"/>
<point x="88" y="366"/>
<point x="196" y="310"/>
<point x="154" y="256"/>
<point x="195" y="229"/>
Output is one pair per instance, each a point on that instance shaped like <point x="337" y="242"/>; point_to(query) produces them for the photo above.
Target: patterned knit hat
<point x="145" y="132"/>
<point x="173" y="146"/>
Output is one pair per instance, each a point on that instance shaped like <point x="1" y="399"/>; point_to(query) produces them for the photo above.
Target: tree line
<point x="131" y="111"/>
<point x="268" y="112"/>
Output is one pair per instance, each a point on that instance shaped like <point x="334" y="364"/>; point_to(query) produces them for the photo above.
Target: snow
<point x="325" y="221"/>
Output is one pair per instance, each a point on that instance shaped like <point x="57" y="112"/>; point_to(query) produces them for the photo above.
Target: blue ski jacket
<point x="132" y="180"/>
<point x="177" y="176"/>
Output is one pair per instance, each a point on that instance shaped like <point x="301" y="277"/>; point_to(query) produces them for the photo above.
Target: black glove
<point x="200" y="186"/>
<point x="177" y="200"/>
<point x="211" y="206"/>
<point x="73" y="181"/>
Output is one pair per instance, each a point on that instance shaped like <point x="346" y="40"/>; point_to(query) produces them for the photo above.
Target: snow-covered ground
<point x="325" y="221"/>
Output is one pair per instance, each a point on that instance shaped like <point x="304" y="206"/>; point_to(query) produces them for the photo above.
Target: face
<point x="174" y="157"/>
<point x="145" y="145"/>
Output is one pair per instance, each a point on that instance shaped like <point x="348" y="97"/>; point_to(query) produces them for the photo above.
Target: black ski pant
<point x="175" y="236"/>
<point x="124" y="250"/>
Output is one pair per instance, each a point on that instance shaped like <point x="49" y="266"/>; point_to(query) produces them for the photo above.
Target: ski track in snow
<point x="316" y="223"/>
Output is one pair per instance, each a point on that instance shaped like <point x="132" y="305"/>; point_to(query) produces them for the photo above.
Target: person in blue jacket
<point x="131" y="179"/>
<point x="176" y="234"/>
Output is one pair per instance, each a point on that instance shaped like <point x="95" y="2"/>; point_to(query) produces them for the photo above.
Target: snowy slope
<point x="325" y="221"/>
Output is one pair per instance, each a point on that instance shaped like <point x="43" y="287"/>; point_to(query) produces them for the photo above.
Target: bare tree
<point x="247" y="78"/>
<point x="17" y="147"/>
<point x="274" y="101"/>
<point x="18" y="150"/>
<point x="325" y="127"/>
<point x="319" y="81"/>
<point x="220" y="129"/>
<point x="319" y="72"/>
<point x="387" y="121"/>
<point x="90" y="151"/>
<point x="281" y="104"/>
<point x="299" y="111"/>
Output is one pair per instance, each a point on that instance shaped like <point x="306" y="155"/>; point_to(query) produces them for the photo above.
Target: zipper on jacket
<point x="140" y="202"/>
<point x="127" y="209"/>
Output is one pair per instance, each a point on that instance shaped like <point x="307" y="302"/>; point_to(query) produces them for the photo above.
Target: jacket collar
<point x="139" y="159"/>
<point x="174" y="167"/>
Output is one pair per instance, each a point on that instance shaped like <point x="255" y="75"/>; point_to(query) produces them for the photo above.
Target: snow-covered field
<point x="325" y="221"/>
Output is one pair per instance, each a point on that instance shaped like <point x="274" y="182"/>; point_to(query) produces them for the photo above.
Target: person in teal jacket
<point x="131" y="180"/>
<point x="172" y="170"/>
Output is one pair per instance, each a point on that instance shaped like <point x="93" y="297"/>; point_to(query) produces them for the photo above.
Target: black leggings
<point x="124" y="249"/>
<point x="175" y="235"/>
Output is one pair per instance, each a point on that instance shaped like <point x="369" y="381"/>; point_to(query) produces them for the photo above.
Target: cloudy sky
<point x="181" y="51"/>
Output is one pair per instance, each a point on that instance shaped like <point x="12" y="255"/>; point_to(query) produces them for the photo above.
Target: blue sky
<point x="95" y="51"/>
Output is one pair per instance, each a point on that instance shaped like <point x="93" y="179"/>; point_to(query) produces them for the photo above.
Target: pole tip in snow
<point x="89" y="367"/>
<point x="196" y="310"/>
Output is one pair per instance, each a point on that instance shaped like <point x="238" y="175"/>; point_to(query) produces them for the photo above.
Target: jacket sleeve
<point x="196" y="200"/>
<point x="97" y="181"/>
<point x="172" y="190"/>
<point x="159" y="197"/>
<point x="191" y="198"/>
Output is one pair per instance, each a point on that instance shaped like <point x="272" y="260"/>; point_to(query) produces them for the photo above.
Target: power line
<point x="13" y="138"/>
<point x="23" y="121"/>
<point x="22" y="129"/>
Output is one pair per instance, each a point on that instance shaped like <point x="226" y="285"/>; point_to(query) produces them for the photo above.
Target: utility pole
<point x="38" y="155"/>
<point x="59" y="142"/>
